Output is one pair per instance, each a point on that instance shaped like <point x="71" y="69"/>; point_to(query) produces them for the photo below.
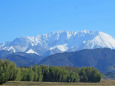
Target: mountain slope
<point x="61" y="41"/>
<point x="20" y="58"/>
<point x="102" y="59"/>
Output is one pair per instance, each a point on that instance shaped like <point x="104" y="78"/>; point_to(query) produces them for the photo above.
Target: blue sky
<point x="32" y="17"/>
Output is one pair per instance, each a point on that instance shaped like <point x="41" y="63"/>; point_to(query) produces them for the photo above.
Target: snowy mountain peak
<point x="60" y="41"/>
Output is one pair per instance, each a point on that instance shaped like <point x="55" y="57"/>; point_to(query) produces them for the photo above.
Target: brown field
<point x="22" y="83"/>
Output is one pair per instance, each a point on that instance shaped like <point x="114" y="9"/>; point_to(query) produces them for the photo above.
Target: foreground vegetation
<point x="28" y="83"/>
<point x="42" y="73"/>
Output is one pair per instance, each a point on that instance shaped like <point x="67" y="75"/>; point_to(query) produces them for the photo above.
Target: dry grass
<point x="22" y="83"/>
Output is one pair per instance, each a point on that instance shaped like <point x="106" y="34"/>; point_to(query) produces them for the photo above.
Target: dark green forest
<point x="10" y="72"/>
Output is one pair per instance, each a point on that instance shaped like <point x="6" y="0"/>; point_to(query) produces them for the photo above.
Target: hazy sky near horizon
<point x="32" y="17"/>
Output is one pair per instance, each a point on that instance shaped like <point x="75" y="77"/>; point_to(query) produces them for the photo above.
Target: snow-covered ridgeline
<point x="60" y="41"/>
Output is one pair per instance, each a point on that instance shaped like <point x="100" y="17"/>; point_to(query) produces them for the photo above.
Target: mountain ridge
<point x="100" y="58"/>
<point x="20" y="58"/>
<point x="59" y="42"/>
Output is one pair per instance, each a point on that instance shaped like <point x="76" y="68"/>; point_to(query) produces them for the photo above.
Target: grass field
<point x="22" y="83"/>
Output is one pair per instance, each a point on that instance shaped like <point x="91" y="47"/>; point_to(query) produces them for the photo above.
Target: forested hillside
<point x="102" y="59"/>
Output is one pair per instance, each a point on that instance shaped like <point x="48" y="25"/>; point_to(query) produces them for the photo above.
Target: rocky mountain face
<point x="59" y="42"/>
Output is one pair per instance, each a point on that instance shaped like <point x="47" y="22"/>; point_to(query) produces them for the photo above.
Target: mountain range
<point x="63" y="48"/>
<point x="101" y="58"/>
<point x="59" y="42"/>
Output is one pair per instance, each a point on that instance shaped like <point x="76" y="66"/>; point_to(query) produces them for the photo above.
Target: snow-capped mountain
<point x="60" y="41"/>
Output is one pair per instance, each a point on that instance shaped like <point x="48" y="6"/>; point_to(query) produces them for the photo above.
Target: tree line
<point x="10" y="72"/>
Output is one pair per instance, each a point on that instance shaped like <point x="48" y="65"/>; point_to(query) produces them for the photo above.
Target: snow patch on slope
<point x="31" y="51"/>
<point x="11" y="49"/>
<point x="102" y="40"/>
<point x="60" y="47"/>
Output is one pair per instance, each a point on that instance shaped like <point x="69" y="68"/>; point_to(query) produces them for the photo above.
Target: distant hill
<point x="20" y="58"/>
<point x="102" y="59"/>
